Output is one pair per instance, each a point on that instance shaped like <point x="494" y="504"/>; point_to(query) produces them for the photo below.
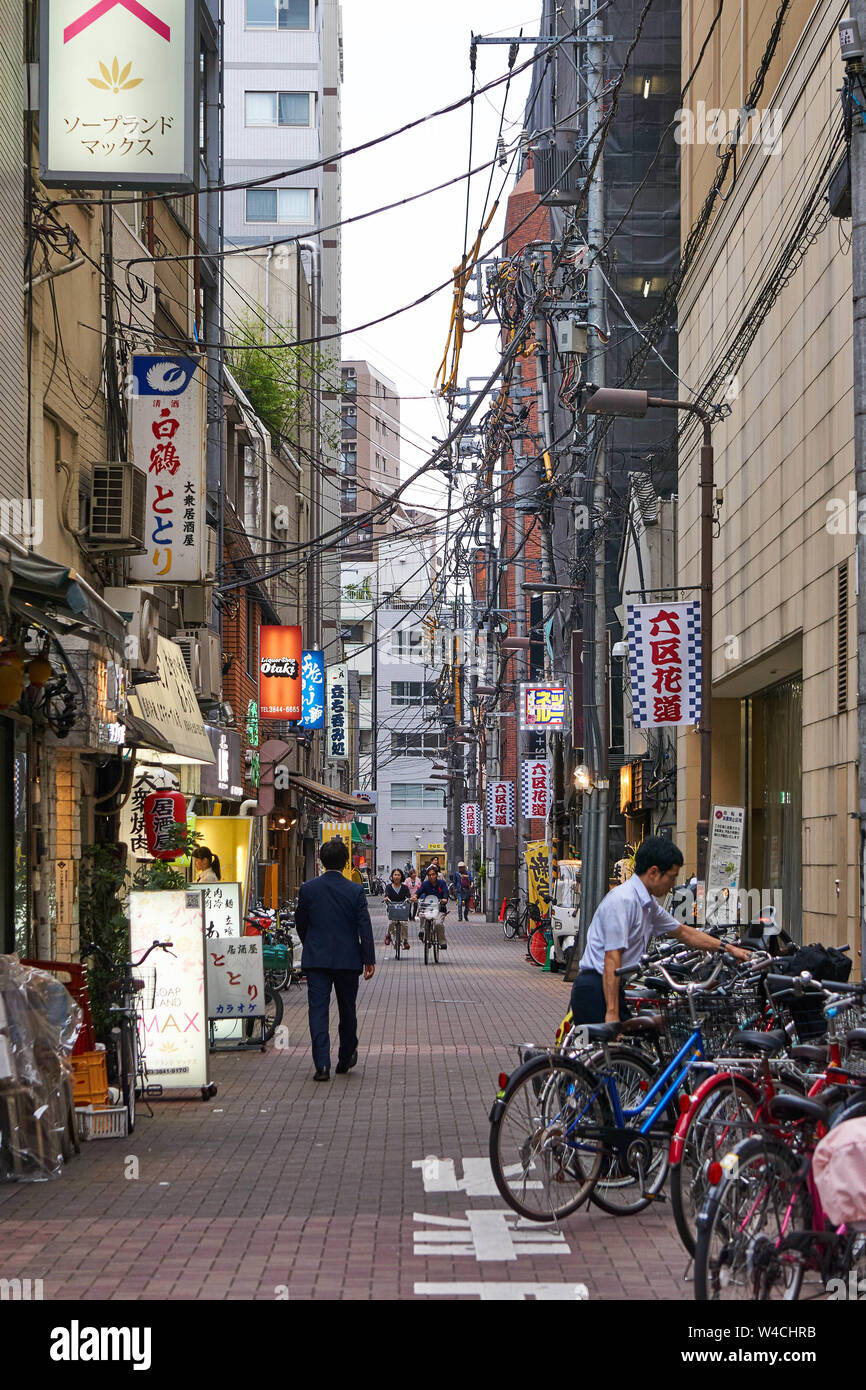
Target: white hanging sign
<point x="664" y="647"/>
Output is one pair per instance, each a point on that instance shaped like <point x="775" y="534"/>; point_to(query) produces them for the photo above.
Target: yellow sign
<point x="538" y="874"/>
<point x="339" y="830"/>
<point x="230" y="838"/>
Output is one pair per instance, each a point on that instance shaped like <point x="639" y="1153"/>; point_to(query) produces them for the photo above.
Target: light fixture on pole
<point x="618" y="401"/>
<point x="516" y="644"/>
<point x="485" y="690"/>
<point x="583" y="777"/>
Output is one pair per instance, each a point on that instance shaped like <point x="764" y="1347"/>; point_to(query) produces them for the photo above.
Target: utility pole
<point x="522" y="497"/>
<point x="597" y="801"/>
<point x="851" y="34"/>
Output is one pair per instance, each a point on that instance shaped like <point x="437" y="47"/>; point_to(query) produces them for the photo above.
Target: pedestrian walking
<point x="620" y="931"/>
<point x="462" y="882"/>
<point x="333" y="922"/>
<point x="397" y="892"/>
<point x="413" y="883"/>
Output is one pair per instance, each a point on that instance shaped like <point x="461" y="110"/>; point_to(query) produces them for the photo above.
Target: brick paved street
<point x="285" y="1186"/>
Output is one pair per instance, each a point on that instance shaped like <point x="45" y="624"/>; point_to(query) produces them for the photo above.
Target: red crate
<point x="74" y="978"/>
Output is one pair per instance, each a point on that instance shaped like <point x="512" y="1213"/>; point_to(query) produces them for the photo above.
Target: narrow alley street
<point x="281" y="1187"/>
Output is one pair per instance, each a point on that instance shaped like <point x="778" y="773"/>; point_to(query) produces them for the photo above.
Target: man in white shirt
<point x="620" y="931"/>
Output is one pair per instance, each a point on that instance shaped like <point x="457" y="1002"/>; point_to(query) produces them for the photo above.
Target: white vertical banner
<point x="664" y="649"/>
<point x="500" y="805"/>
<point x="337" y="747"/>
<point x="535" y="788"/>
<point x="470" y="818"/>
<point x="167" y="437"/>
<point x="724" y="860"/>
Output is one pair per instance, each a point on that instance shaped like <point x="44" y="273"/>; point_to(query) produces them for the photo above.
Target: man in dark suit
<point x="334" y="925"/>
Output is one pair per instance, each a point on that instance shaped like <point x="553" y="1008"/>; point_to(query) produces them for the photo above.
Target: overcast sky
<point x="403" y="60"/>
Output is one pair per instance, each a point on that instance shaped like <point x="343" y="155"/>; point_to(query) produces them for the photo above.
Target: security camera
<point x="619" y="650"/>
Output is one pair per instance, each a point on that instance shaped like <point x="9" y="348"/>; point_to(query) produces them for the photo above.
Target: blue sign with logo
<point x="159" y="375"/>
<point x="312" y="690"/>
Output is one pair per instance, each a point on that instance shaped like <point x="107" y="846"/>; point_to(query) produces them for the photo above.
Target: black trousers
<point x="587" y="998"/>
<point x="345" y="986"/>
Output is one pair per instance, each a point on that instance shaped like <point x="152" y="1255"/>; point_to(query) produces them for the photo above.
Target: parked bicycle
<point x="133" y="990"/>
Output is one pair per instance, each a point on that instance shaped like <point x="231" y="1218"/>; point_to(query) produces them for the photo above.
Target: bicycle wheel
<point x="278" y="980"/>
<point x="426" y="945"/>
<point x="263" y="1029"/>
<point x="745" y="1246"/>
<point x="724" y="1117"/>
<point x="126" y="1068"/>
<point x="537" y="947"/>
<point x="435" y="948"/>
<point x="397" y="940"/>
<point x="618" y="1190"/>
<point x="509" y="926"/>
<point x="546" y="1137"/>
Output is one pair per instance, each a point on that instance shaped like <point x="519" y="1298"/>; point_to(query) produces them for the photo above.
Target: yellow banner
<point x="339" y="830"/>
<point x="538" y="874"/>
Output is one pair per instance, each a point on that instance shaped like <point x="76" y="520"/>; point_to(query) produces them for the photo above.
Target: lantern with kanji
<point x="164" y="814"/>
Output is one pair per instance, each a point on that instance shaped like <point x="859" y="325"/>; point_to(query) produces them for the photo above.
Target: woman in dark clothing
<point x="397" y="892"/>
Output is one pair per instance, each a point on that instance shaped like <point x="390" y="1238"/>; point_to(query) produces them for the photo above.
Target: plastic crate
<point x="275" y="957"/>
<point x="102" y="1122"/>
<point x="89" y="1078"/>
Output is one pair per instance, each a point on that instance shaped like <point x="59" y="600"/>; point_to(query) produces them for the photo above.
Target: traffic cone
<point x="502" y="910"/>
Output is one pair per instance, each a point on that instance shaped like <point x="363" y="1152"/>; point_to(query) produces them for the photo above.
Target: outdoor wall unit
<point x="560" y="174"/>
<point x="117" y="508"/>
<point x="138" y="607"/>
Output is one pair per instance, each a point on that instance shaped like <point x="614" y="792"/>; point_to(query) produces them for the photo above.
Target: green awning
<point x="359" y="831"/>
<point x="58" y="598"/>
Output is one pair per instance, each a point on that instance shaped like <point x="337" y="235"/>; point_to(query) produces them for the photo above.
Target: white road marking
<point x="486" y="1235"/>
<point x="440" y="1175"/>
<point x="503" y="1292"/>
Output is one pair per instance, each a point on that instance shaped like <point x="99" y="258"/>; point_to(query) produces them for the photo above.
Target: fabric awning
<point x="58" y="598"/>
<point x="359" y="831"/>
<point x="329" y="796"/>
<point x="140" y="734"/>
<point x="169" y="706"/>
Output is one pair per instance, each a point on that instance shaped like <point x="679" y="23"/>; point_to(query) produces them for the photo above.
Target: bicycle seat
<point x="761" y="1042"/>
<point x="602" y="1032"/>
<point x="809" y="1052"/>
<point x="643" y="1023"/>
<point x="856" y="1037"/>
<point x="798" y="1108"/>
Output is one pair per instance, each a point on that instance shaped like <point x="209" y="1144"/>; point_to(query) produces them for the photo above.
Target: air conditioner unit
<point x="201" y="651"/>
<point x="138" y="607"/>
<point x="211" y="665"/>
<point x="197" y="600"/>
<point x="187" y="640"/>
<point x="117" y="508"/>
<point x="211" y="558"/>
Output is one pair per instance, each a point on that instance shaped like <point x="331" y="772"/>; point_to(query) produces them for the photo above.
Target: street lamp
<point x="516" y="644"/>
<point x="616" y="401"/>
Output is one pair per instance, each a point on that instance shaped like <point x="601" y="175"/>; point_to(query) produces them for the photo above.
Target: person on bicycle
<point x="413" y="883"/>
<point x="620" y="932"/>
<point x="463" y="890"/>
<point x="397" y="892"/>
<point x="436" y="887"/>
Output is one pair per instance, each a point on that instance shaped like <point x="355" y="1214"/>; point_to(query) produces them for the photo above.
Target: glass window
<point x="348" y="462"/>
<point x="414" y="794"/>
<point x="279" y="205"/>
<point x="294" y="108"/>
<point x="278" y="108"/>
<point x="407" y="643"/>
<point x="417" y="744"/>
<point x="261" y="205"/>
<point x="261" y="108"/>
<point x="295" y="204"/>
<point x="411" y="692"/>
<point x="349" y="493"/>
<point x="282" y="14"/>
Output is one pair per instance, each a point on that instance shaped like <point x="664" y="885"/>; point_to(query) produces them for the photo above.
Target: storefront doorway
<point x="773" y="737"/>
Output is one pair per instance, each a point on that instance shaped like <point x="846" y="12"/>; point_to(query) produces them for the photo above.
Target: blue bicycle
<point x="596" y="1124"/>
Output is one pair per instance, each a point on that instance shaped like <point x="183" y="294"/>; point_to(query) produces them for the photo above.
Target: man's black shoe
<point x="323" y="1074"/>
<point x="343" y="1067"/>
<point x="443" y="945"/>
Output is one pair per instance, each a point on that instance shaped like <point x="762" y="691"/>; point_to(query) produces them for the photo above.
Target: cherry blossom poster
<point x="664" y="646"/>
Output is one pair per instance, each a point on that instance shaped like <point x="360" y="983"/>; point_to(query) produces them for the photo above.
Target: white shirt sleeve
<point x="662" y="920"/>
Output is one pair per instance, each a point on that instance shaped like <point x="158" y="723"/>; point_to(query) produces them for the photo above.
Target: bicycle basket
<point x="397" y="912"/>
<point x="143" y="986"/>
<point x="718" y="1014"/>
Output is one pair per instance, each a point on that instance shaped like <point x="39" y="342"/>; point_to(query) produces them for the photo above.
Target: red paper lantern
<point x="164" y="812"/>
